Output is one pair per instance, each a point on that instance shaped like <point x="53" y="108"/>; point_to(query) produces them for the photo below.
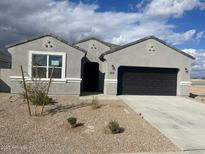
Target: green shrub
<point x="114" y="127"/>
<point x="72" y="121"/>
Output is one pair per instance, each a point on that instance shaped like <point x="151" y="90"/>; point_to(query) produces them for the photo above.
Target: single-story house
<point x="148" y="66"/>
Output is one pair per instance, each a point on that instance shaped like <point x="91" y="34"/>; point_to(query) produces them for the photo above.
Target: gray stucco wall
<point x="139" y="55"/>
<point x="20" y="56"/>
<point x="94" y="49"/>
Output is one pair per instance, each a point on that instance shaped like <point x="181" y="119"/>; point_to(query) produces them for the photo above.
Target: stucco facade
<point x="139" y="55"/>
<point x="69" y="84"/>
<point x="109" y="58"/>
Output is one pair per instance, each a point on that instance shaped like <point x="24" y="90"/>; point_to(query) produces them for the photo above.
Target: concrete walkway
<point x="182" y="120"/>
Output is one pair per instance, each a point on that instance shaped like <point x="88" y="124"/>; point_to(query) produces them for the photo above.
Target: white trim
<point x="110" y="80"/>
<point x="185" y="83"/>
<point x="47" y="53"/>
<point x="65" y="80"/>
<point x="17" y="77"/>
<point x="71" y="80"/>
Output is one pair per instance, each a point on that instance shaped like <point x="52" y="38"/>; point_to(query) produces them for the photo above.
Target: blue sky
<point x="192" y="19"/>
<point x="180" y="23"/>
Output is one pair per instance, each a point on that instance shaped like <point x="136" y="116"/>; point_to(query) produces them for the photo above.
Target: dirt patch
<point x="51" y="133"/>
<point x="198" y="91"/>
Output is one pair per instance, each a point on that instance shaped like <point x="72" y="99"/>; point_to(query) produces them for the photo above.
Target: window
<point x="42" y="65"/>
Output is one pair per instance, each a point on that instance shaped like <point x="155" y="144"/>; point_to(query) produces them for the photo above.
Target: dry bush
<point x="95" y="104"/>
<point x="37" y="93"/>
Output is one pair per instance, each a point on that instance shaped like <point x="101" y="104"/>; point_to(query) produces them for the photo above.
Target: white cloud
<point x="200" y="35"/>
<point x="190" y="35"/>
<point x="198" y="67"/>
<point x="175" y="8"/>
<point x="21" y="19"/>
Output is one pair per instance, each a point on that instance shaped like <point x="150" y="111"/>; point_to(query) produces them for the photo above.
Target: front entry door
<point x="91" y="77"/>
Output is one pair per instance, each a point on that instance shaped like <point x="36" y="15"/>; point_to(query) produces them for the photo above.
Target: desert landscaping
<point x="51" y="133"/>
<point x="198" y="90"/>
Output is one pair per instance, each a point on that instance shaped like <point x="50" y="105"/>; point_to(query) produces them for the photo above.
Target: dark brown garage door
<point x="146" y="81"/>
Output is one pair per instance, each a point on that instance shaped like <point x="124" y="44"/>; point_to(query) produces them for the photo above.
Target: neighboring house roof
<point x="44" y="35"/>
<point x="4" y="57"/>
<point x="144" y="39"/>
<point x="112" y="46"/>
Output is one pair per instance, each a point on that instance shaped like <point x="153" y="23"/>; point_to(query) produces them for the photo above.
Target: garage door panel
<point x="147" y="81"/>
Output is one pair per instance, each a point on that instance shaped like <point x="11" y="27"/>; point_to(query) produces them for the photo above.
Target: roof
<point x="4" y="57"/>
<point x="144" y="39"/>
<point x="44" y="35"/>
<point x="112" y="46"/>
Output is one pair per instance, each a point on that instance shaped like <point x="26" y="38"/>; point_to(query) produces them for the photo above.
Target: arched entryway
<point x="91" y="77"/>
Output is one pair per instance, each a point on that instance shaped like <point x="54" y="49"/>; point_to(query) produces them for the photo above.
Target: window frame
<point x="53" y="53"/>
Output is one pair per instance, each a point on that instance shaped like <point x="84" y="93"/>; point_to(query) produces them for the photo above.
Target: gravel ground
<point x="198" y="93"/>
<point x="198" y="90"/>
<point x="51" y="133"/>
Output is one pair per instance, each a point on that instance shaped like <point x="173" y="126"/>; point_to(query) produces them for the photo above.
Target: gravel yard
<point x="198" y="93"/>
<point x="51" y="133"/>
<point x="198" y="90"/>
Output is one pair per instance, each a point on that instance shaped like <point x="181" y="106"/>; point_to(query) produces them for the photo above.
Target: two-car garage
<point x="148" y="66"/>
<point x="147" y="81"/>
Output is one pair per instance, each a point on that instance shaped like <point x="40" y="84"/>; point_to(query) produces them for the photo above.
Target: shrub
<point x="95" y="104"/>
<point x="38" y="97"/>
<point x="37" y="93"/>
<point x="72" y="121"/>
<point x="114" y="127"/>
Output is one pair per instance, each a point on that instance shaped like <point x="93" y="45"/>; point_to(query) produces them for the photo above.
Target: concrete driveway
<point x="182" y="120"/>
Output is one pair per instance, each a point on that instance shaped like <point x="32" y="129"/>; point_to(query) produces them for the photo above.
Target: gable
<point x="103" y="43"/>
<point x="93" y="45"/>
<point x="140" y="55"/>
<point x="23" y="42"/>
<point x="145" y="39"/>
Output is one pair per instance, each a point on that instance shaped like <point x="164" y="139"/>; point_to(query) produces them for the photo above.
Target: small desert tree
<point x="36" y="91"/>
